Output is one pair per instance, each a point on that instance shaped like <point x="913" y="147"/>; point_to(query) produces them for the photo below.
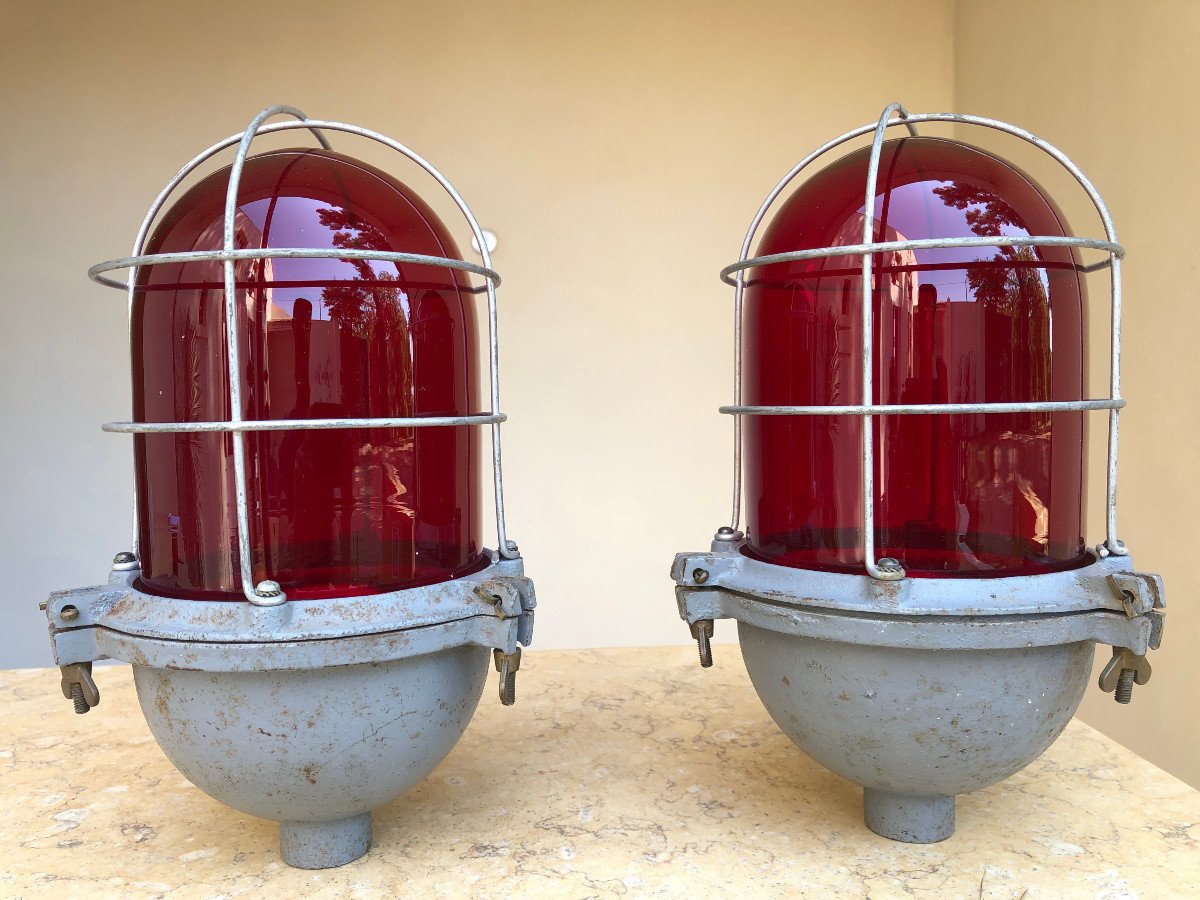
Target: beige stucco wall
<point x="619" y="150"/>
<point x="1114" y="85"/>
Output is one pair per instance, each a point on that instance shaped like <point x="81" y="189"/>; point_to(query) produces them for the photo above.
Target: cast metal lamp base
<point x="921" y="689"/>
<point x="313" y="712"/>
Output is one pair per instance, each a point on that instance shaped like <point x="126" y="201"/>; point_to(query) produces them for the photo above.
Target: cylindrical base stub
<point x="323" y="845"/>
<point x="914" y="819"/>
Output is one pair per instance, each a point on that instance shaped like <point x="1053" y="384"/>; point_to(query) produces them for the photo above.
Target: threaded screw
<point x="268" y="593"/>
<point x="702" y="632"/>
<point x="81" y="705"/>
<point x="1124" y="691"/>
<point x="508" y="690"/>
<point x="507" y="665"/>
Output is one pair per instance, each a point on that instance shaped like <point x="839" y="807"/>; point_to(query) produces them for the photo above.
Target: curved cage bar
<point x="229" y="255"/>
<point x="299" y="424"/>
<point x="734" y="275"/>
<point x="924" y="409"/>
<point x="867" y="249"/>
<point x="134" y="262"/>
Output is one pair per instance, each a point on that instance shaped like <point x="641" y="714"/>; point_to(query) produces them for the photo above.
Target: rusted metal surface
<point x="923" y="688"/>
<point x="1123" y="671"/>
<point x="486" y="632"/>
<point x="925" y="632"/>
<point x="1075" y="590"/>
<point x="508" y="664"/>
<point x="1105" y="602"/>
<point x="314" y="748"/>
<point x="702" y="632"/>
<point x="312" y="712"/>
<point x="79" y="687"/>
<point x="490" y="608"/>
<point x="916" y="723"/>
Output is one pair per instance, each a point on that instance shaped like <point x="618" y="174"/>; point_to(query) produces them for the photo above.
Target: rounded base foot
<point x="323" y="845"/>
<point x="909" y="818"/>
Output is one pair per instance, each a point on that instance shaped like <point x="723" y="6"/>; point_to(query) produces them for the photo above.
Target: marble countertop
<point x="619" y="773"/>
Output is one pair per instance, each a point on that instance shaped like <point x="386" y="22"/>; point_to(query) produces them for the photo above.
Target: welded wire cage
<point x="896" y="115"/>
<point x="268" y="593"/>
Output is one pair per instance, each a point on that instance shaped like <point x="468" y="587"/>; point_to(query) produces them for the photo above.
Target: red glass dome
<point x="332" y="512"/>
<point x="978" y="494"/>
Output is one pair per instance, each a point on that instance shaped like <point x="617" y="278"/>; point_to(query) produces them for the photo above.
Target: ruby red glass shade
<point x="970" y="495"/>
<point x="332" y="512"/>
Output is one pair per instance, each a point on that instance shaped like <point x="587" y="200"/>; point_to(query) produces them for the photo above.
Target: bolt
<point x="78" y="687"/>
<point x="125" y="561"/>
<point x="725" y="538"/>
<point x="890" y="568"/>
<point x="268" y="594"/>
<point x="702" y="631"/>
<point x="69" y="613"/>
<point x="511" y="545"/>
<point x="488" y="595"/>
<point x="508" y="689"/>
<point x="1124" y="691"/>
<point x="507" y="665"/>
<point x="700" y="576"/>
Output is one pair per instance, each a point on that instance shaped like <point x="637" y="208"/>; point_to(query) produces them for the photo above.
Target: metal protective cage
<point x="733" y="274"/>
<point x="265" y="593"/>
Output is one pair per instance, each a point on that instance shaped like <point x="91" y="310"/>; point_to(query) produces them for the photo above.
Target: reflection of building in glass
<point x="947" y="346"/>
<point x="306" y="346"/>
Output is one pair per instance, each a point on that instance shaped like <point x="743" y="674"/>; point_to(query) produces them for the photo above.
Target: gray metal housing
<point x="922" y="688"/>
<point x="313" y="712"/>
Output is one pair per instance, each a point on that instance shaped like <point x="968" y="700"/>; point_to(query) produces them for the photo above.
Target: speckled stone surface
<point x="620" y="773"/>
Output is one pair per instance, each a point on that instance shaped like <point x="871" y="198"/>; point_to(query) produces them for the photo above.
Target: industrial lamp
<point x="307" y="605"/>
<point x="916" y="603"/>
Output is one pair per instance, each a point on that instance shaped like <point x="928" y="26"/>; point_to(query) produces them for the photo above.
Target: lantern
<point x="916" y="603"/>
<point x="308" y="606"/>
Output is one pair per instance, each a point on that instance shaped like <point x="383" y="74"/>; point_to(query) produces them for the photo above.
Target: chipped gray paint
<point x="311" y="713"/>
<point x="924" y="688"/>
<point x="314" y="747"/>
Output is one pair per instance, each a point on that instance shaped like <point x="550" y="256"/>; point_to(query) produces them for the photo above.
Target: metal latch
<point x="510" y="595"/>
<point x="78" y="686"/>
<point x="1124" y="670"/>
<point x="507" y="665"/>
<point x="1138" y="593"/>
